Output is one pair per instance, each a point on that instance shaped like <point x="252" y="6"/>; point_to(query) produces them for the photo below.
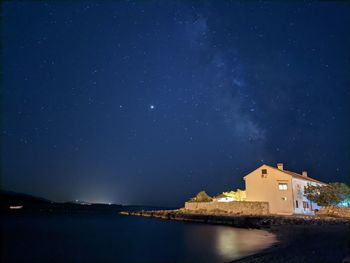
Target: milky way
<point x="151" y="102"/>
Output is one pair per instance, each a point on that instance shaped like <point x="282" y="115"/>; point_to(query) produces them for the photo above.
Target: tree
<point x="201" y="197"/>
<point x="327" y="195"/>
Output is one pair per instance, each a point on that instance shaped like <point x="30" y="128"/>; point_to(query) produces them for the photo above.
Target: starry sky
<point x="149" y="102"/>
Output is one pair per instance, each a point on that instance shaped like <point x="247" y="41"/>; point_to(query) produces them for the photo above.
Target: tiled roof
<point x="296" y="175"/>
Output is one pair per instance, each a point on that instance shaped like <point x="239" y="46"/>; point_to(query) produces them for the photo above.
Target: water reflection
<point x="242" y="242"/>
<point x="227" y="242"/>
<point x="210" y="243"/>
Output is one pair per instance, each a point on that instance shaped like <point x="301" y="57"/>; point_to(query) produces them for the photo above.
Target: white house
<point x="284" y="190"/>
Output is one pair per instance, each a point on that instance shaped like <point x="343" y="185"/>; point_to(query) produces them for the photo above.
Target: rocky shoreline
<point x="243" y="221"/>
<point x="300" y="238"/>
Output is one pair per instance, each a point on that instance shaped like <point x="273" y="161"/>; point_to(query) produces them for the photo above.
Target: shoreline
<point x="299" y="238"/>
<point x="305" y="244"/>
<point x="239" y="220"/>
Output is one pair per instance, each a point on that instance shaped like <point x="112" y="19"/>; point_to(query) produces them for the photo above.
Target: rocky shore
<point x="301" y="238"/>
<point x="244" y="221"/>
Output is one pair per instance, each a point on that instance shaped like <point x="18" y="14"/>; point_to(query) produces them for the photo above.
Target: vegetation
<point x="332" y="194"/>
<point x="202" y="196"/>
<point x="237" y="195"/>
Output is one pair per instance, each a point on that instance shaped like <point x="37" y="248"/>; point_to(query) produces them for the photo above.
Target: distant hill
<point x="31" y="203"/>
<point x="12" y="198"/>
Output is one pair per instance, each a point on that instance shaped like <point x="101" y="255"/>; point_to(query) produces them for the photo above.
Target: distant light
<point x="16" y="206"/>
<point x="226" y="199"/>
<point x="151" y="107"/>
<point x="345" y="203"/>
<point x="109" y="203"/>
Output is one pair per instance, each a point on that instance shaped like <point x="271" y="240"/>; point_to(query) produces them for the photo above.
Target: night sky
<point x="139" y="102"/>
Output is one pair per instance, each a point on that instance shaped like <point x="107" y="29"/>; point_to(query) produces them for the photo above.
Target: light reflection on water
<point x="242" y="242"/>
<point x="226" y="243"/>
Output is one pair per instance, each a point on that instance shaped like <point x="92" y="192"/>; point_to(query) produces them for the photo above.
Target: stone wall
<point x="235" y="207"/>
<point x="335" y="211"/>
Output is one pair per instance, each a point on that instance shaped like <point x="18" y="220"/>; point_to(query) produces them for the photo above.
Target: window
<point x="305" y="205"/>
<point x="296" y="204"/>
<point x="263" y="173"/>
<point x="284" y="198"/>
<point x="282" y="186"/>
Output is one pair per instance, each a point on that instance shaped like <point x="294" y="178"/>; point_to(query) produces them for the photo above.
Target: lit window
<point x="305" y="205"/>
<point x="282" y="186"/>
<point x="263" y="173"/>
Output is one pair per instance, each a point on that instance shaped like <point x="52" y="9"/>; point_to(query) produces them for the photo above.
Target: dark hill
<point x="8" y="198"/>
<point x="31" y="203"/>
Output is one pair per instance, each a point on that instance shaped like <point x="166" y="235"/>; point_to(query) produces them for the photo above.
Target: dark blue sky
<point x="150" y="102"/>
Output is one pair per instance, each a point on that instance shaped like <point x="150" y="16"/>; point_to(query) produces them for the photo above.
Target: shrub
<point x="201" y="197"/>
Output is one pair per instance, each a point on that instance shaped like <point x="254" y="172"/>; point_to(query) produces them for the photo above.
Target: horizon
<point x="150" y="103"/>
<point x="125" y="204"/>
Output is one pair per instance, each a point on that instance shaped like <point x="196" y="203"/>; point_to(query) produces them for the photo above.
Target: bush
<point x="201" y="197"/>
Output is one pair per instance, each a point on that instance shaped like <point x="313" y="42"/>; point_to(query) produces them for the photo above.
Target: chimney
<point x="304" y="173"/>
<point x="280" y="166"/>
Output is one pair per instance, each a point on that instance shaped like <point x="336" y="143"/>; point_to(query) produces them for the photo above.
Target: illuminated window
<point x="263" y="173"/>
<point x="282" y="186"/>
<point x="305" y="205"/>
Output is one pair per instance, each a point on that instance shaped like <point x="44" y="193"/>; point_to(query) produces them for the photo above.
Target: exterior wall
<point x="266" y="189"/>
<point x="335" y="211"/>
<point x="237" y="207"/>
<point x="298" y="195"/>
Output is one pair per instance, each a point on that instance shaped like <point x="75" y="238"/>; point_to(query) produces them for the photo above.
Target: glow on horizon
<point x="96" y="201"/>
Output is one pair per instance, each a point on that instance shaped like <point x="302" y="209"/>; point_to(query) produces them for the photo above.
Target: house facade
<point x="282" y="189"/>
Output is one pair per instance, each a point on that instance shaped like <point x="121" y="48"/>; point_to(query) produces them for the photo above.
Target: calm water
<point x="113" y="238"/>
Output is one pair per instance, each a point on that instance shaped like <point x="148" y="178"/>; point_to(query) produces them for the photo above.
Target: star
<point x="151" y="107"/>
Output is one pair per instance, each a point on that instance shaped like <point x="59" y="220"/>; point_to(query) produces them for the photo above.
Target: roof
<point x="296" y="175"/>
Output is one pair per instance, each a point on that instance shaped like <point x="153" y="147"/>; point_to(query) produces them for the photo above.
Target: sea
<point x="111" y="237"/>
